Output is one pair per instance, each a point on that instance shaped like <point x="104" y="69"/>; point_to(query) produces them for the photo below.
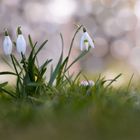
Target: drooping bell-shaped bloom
<point x="86" y="41"/>
<point x="7" y="44"/>
<point x="20" y="43"/>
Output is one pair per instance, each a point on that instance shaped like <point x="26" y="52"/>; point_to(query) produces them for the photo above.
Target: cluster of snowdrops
<point x="30" y="76"/>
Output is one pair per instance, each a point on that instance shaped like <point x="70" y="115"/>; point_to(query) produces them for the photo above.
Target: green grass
<point x="73" y="113"/>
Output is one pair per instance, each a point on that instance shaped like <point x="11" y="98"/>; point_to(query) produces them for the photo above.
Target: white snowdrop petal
<point x="89" y="40"/>
<point x="21" y="44"/>
<point x="84" y="83"/>
<point x="91" y="83"/>
<point x="7" y="45"/>
<point x="87" y="83"/>
<point x="82" y="42"/>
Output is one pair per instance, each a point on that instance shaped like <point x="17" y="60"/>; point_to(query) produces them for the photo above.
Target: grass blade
<point x="113" y="80"/>
<point x="79" y="57"/>
<point x="55" y="72"/>
<point x="7" y="92"/>
<point x="40" y="48"/>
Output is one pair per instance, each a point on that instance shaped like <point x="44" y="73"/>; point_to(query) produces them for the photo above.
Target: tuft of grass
<point x="75" y="112"/>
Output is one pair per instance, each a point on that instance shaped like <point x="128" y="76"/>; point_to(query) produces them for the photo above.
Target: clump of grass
<point x="76" y="112"/>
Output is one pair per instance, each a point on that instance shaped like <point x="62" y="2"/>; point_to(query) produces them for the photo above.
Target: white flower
<point x="20" y="43"/>
<point x="7" y="44"/>
<point x="86" y="41"/>
<point x="87" y="83"/>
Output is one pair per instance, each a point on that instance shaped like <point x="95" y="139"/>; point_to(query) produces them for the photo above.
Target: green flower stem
<point x="18" y="76"/>
<point x="71" y="45"/>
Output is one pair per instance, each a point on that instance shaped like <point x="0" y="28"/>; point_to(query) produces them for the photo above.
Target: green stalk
<point x="71" y="45"/>
<point x="12" y="58"/>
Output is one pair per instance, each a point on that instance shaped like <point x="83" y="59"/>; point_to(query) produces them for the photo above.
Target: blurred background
<point x="113" y="24"/>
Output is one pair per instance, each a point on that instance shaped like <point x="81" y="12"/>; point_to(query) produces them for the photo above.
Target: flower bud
<point x="20" y="43"/>
<point x="87" y="83"/>
<point x="7" y="44"/>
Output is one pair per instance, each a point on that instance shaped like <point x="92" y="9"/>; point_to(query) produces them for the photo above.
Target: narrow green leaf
<point x="7" y="92"/>
<point x="3" y="84"/>
<point x="8" y="73"/>
<point x="79" y="57"/>
<point x="19" y="82"/>
<point x="45" y="64"/>
<point x="40" y="48"/>
<point x="55" y="72"/>
<point x="16" y="62"/>
<point x="31" y="42"/>
<point x="60" y="73"/>
<point x="77" y="76"/>
<point x="113" y="80"/>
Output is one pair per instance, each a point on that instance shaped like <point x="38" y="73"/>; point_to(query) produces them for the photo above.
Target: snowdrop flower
<point x="20" y="43"/>
<point x="87" y="83"/>
<point x="86" y="41"/>
<point x="7" y="44"/>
